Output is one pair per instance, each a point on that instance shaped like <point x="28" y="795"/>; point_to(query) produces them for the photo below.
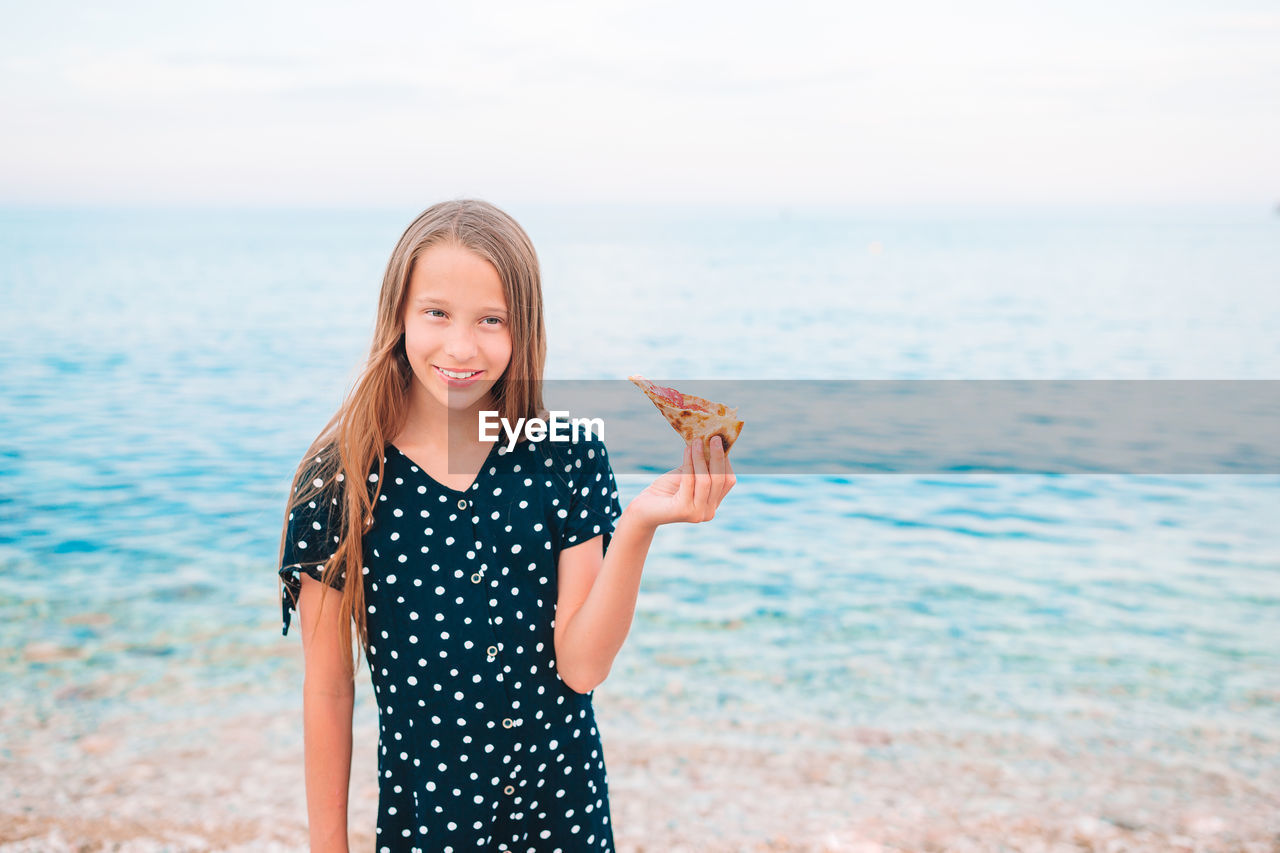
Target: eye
<point x="434" y="311"/>
<point x="497" y="321"/>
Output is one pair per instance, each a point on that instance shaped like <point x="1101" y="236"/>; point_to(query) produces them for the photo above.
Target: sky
<point x="377" y="104"/>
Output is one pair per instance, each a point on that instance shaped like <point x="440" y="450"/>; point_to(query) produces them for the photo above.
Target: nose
<point x="460" y="344"/>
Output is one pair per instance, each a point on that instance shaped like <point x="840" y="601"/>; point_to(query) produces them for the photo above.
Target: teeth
<point x="453" y="375"/>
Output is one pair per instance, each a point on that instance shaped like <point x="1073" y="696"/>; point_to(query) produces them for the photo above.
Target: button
<point x="510" y="789"/>
<point x="507" y="723"/>
<point x="462" y="503"/>
<point x="475" y="578"/>
<point x="493" y="651"/>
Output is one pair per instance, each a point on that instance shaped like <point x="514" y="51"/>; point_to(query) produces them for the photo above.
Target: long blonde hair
<point x="375" y="409"/>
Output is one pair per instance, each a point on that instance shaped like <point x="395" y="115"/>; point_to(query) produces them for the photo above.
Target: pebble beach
<point x="208" y="782"/>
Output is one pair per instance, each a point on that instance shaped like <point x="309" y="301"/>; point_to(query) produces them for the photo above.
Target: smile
<point x="457" y="376"/>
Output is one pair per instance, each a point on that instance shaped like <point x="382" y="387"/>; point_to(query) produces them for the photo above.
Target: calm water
<point x="164" y="371"/>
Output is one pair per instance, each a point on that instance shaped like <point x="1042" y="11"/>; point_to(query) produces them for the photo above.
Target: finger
<point x="702" y="482"/>
<point x="730" y="478"/>
<point x="716" y="467"/>
<point x="685" y="492"/>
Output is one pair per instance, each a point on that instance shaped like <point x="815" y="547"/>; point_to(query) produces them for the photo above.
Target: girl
<point x="495" y="588"/>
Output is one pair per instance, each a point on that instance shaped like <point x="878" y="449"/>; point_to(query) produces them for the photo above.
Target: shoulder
<point x="582" y="448"/>
<point x="566" y="464"/>
<point x="321" y="481"/>
<point x="319" y="471"/>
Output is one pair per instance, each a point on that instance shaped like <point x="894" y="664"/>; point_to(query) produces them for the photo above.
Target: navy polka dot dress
<point x="481" y="745"/>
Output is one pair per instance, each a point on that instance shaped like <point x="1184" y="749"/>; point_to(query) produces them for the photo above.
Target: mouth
<point x="457" y="378"/>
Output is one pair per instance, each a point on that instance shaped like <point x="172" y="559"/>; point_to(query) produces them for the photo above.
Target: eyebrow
<point x="431" y="300"/>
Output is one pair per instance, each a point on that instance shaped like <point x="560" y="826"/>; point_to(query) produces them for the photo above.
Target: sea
<point x="164" y="370"/>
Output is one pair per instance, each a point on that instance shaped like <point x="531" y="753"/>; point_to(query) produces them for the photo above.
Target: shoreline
<point x="687" y="788"/>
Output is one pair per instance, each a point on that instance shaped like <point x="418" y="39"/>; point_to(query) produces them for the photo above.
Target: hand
<point x="691" y="492"/>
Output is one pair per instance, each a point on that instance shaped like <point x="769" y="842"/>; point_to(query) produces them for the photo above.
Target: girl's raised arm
<point x="328" y="696"/>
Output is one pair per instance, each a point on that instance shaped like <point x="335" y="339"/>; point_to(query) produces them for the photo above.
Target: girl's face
<point x="456" y="319"/>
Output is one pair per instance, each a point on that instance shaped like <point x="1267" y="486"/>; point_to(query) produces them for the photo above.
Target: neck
<point x="429" y="422"/>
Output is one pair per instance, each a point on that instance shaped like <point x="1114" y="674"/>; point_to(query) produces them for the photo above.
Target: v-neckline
<point x="493" y="449"/>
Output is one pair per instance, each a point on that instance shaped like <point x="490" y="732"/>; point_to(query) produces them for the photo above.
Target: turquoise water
<point x="165" y="370"/>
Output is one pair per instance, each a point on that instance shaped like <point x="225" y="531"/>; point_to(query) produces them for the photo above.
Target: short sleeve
<point x="311" y="536"/>
<point x="593" y="508"/>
